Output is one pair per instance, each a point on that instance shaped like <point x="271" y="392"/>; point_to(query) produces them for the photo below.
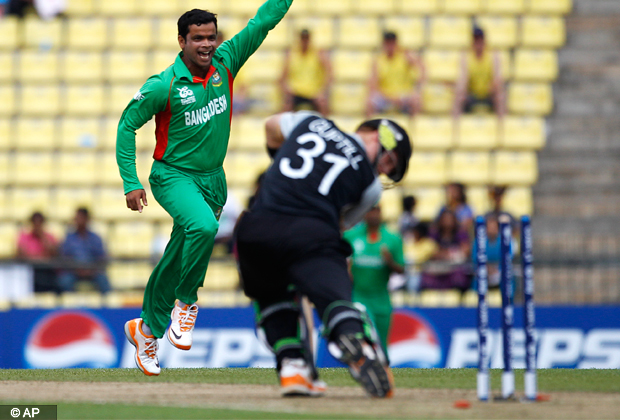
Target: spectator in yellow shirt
<point x="396" y="80"/>
<point x="480" y="85"/>
<point x="307" y="77"/>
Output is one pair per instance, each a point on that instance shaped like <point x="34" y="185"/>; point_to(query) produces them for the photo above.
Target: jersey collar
<point x="182" y="72"/>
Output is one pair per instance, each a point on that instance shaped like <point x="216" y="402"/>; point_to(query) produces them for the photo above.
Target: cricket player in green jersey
<point x="377" y="253"/>
<point x="192" y="104"/>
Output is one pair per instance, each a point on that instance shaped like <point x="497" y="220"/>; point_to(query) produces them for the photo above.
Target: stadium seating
<point x="321" y="29"/>
<point x="332" y="8"/>
<point x="530" y="98"/>
<point x="429" y="201"/>
<point x="477" y="132"/>
<point x="391" y="205"/>
<point x="9" y="29"/>
<point x="469" y="167"/>
<point x="523" y="133"/>
<point x="351" y="65"/>
<point x="40" y="100"/>
<point x="7" y="68"/>
<point x="25" y="201"/>
<point x="515" y="168"/>
<point x="84" y="100"/>
<point x="32" y="169"/>
<point x="500" y="31"/>
<point x="82" y="67"/>
<point x="359" y="32"/>
<point x="542" y="32"/>
<point x="131" y="34"/>
<point x="7" y="100"/>
<point x="4" y="170"/>
<point x="127" y="239"/>
<point x="478" y="198"/>
<point x="6" y="135"/>
<point x="426" y="168"/>
<point x="37" y="66"/>
<point x="560" y="7"/>
<point x="374" y="7"/>
<point x="264" y="66"/>
<point x="519" y="200"/>
<point x="117" y="7"/>
<point x="410" y="30"/>
<point x="421" y="7"/>
<point x="442" y="65"/>
<point x="127" y="67"/>
<point x="450" y="32"/>
<point x="536" y="65"/>
<point x="8" y="239"/>
<point x="437" y="98"/>
<point x="431" y="132"/>
<point x="76" y="169"/>
<point x="42" y="35"/>
<point x="348" y="98"/>
<point x="35" y="134"/>
<point x="468" y="7"/>
<point x="504" y="7"/>
<point x="87" y="34"/>
<point x="66" y="200"/>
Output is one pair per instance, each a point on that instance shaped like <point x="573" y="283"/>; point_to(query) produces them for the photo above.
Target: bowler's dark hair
<point x="195" y="17"/>
<point x="84" y="211"/>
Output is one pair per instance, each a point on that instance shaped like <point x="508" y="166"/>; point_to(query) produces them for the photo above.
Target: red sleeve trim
<point x="231" y="79"/>
<point x="162" y="126"/>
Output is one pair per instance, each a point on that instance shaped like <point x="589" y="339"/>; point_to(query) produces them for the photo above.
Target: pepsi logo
<point x="70" y="339"/>
<point x="413" y="342"/>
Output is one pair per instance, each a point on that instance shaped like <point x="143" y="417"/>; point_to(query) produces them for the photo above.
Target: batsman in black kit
<point x="289" y="243"/>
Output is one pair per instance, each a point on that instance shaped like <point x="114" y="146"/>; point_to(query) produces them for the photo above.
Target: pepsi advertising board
<point x="566" y="337"/>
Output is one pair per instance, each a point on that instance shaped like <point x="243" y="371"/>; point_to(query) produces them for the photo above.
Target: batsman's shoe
<point x="296" y="380"/>
<point x="366" y="365"/>
<point x="182" y="326"/>
<point x="146" y="347"/>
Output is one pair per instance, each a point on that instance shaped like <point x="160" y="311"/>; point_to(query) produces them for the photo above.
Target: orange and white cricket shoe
<point x="296" y="380"/>
<point x="146" y="347"/>
<point x="182" y="326"/>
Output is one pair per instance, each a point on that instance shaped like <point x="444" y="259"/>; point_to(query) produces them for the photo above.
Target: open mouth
<point x="205" y="55"/>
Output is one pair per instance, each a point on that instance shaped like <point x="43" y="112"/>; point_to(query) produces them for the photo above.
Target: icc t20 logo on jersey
<point x="216" y="79"/>
<point x="187" y="96"/>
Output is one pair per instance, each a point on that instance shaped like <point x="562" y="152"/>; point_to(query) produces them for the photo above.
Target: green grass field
<point x="553" y="380"/>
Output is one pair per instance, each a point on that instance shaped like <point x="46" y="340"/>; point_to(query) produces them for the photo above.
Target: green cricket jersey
<point x="192" y="115"/>
<point x="370" y="273"/>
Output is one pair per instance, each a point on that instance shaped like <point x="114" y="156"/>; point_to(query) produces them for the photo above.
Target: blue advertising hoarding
<point x="570" y="337"/>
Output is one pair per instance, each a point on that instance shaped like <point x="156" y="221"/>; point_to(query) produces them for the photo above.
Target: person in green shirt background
<point x="377" y="253"/>
<point x="192" y="104"/>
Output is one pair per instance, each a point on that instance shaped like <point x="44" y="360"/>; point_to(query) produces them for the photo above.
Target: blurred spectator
<point x="493" y="252"/>
<point x="456" y="201"/>
<point x="480" y="85"/>
<point x="496" y="196"/>
<point x="241" y="100"/>
<point x="39" y="248"/>
<point x="448" y="268"/>
<point x="307" y="77"/>
<point x="419" y="247"/>
<point x="396" y="80"/>
<point x="46" y="9"/>
<point x="377" y="253"/>
<point x="84" y="256"/>
<point x="407" y="221"/>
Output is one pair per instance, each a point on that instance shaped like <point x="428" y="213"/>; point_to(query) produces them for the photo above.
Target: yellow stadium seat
<point x="166" y="36"/>
<point x="542" y="32"/>
<point x="478" y="199"/>
<point x="346" y="123"/>
<point x="7" y="67"/>
<point x="6" y="135"/>
<point x="558" y="7"/>
<point x="450" y="32"/>
<point x="505" y="64"/>
<point x="321" y="30"/>
<point x="79" y="133"/>
<point x="428" y="201"/>
<point x="119" y="97"/>
<point x="391" y="204"/>
<point x="442" y="65"/>
<point x="9" y="28"/>
<point x="144" y="163"/>
<point x="161" y="60"/>
<point x="351" y="65"/>
<point x="375" y="7"/>
<point x="131" y="239"/>
<point x="466" y="7"/>
<point x="40" y="100"/>
<point x="250" y="133"/>
<point x="278" y="37"/>
<point x="38" y="66"/>
<point x="440" y="298"/>
<point x="89" y="34"/>
<point x="7" y="100"/>
<point x="125" y="67"/>
<point x="129" y="275"/>
<point x="469" y="167"/>
<point x="300" y="8"/>
<point x="41" y="34"/>
<point x="82" y="67"/>
<point x="242" y="169"/>
<point x="32" y="169"/>
<point x="66" y="200"/>
<point x="8" y="240"/>
<point x="418" y="7"/>
<point x="131" y="34"/>
<point x="145" y="138"/>
<point x="35" y="134"/>
<point x="25" y="201"/>
<point x="245" y="8"/>
<point x="159" y="7"/>
<point x="76" y="169"/>
<point x="359" y="32"/>
<point x="5" y="167"/>
<point x="506" y="7"/>
<point x="437" y="98"/>
<point x="230" y="25"/>
<point x="84" y="100"/>
<point x="500" y="31"/>
<point x="265" y="98"/>
<point x="110" y="205"/>
<point x="332" y="8"/>
<point x="80" y="7"/>
<point x="477" y="132"/>
<point x="524" y="132"/>
<point x="515" y="168"/>
<point x="518" y="201"/>
<point x="216" y="6"/>
<point x="117" y="7"/>
<point x="411" y="30"/>
<point x="530" y="98"/>
<point x="536" y="65"/>
<point x="108" y="173"/>
<point x="220" y="276"/>
<point x="4" y="208"/>
<point x="263" y="65"/>
<point x="348" y="98"/>
<point x="426" y="168"/>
